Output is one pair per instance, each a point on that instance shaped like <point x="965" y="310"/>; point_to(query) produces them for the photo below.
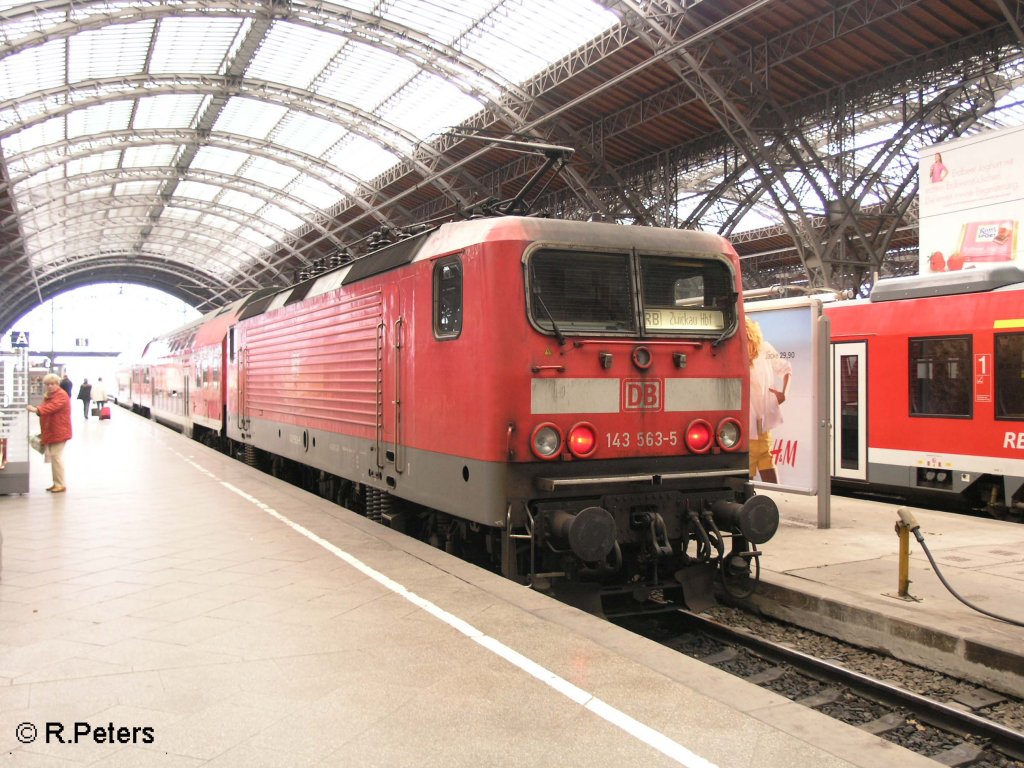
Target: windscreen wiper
<point x="554" y="325"/>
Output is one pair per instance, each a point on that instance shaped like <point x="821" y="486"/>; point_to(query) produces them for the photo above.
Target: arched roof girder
<point x="102" y="179"/>
<point x="190" y="285"/>
<point x="191" y="232"/>
<point x="127" y="247"/>
<point x="67" y="151"/>
<point x="99" y="208"/>
<point x="471" y="76"/>
<point x="116" y="233"/>
<point x="59" y="102"/>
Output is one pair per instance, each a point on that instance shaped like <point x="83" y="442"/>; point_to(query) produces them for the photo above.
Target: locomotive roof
<point x="461" y="234"/>
<point x="454" y="236"/>
<point x="947" y="283"/>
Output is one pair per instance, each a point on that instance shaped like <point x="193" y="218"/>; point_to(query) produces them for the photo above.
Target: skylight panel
<point x="41" y="134"/>
<point x="114" y="51"/>
<point x="365" y="76"/>
<point x="444" y="21"/>
<point x="31" y="20"/>
<point x="282" y="219"/>
<point x="103" y="161"/>
<point x="167" y="111"/>
<point x="32" y="69"/>
<point x="150" y="157"/>
<point x="308" y="134"/>
<point x="362" y="158"/>
<point x="21" y="113"/>
<point x="99" y="118"/>
<point x="294" y="55"/>
<point x="416" y="110"/>
<point x="197" y="190"/>
<point x="150" y="188"/>
<point x="198" y="45"/>
<point x="225" y="225"/>
<point x="521" y="44"/>
<point x="270" y="172"/>
<point x="241" y="201"/>
<point x="39" y="179"/>
<point x="248" y="117"/>
<point x="219" y="160"/>
<point x="316" y="193"/>
<point x="258" y="239"/>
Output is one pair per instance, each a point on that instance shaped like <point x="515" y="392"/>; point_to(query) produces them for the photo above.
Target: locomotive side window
<point x="686" y="295"/>
<point x="577" y="291"/>
<point x="941" y="376"/>
<point x="1009" y="377"/>
<point x="448" y="298"/>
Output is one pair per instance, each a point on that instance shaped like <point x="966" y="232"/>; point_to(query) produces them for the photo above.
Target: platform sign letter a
<point x="19" y="339"/>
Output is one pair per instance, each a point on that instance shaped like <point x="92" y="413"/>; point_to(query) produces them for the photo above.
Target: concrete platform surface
<point x="177" y="608"/>
<point x="844" y="580"/>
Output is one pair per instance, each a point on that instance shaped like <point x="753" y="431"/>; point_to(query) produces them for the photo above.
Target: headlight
<point x="546" y="441"/>
<point x="728" y="433"/>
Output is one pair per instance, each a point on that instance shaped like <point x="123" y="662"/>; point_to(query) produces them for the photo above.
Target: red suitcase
<point x="105" y="412"/>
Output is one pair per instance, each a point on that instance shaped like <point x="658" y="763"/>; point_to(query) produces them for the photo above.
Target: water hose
<point x="907" y="518"/>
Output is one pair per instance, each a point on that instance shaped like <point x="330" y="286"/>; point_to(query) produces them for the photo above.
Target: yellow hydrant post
<point x="903" y="531"/>
<point x="906" y="526"/>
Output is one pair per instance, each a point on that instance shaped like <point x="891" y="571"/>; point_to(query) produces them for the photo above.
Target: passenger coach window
<point x="577" y="291"/>
<point x="448" y="298"/>
<point x="1009" y="376"/>
<point x="686" y="294"/>
<point x="941" y="376"/>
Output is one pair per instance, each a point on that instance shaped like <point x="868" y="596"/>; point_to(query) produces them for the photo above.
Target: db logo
<point x="641" y="395"/>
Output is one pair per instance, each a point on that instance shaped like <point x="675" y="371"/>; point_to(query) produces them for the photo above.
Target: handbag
<point x="36" y="441"/>
<point x="95" y="410"/>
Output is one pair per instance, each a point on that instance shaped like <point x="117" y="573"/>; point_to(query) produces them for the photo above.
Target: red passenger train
<point x="565" y="400"/>
<point x="929" y="389"/>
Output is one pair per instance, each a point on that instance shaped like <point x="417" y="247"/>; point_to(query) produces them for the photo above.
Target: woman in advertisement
<point x="770" y="375"/>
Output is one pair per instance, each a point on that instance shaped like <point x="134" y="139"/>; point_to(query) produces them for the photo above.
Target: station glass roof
<point x="209" y="132"/>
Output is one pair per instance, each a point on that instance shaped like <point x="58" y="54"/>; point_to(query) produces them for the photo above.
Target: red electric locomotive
<point x="566" y="400"/>
<point x="929" y="389"/>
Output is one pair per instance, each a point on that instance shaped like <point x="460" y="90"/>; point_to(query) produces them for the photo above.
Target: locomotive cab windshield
<point x="590" y="292"/>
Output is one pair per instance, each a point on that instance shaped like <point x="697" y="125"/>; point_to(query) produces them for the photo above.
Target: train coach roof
<point x="947" y="283"/>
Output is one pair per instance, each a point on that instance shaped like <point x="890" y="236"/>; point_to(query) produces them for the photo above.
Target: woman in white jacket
<point x="769" y="381"/>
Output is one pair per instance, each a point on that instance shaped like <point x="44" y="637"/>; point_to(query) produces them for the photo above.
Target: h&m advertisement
<point x="784" y="401"/>
<point x="972" y="202"/>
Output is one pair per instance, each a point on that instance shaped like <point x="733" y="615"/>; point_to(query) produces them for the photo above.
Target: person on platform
<point x="99" y="395"/>
<point x="55" y="422"/>
<point x="85" y="395"/>
<point x="65" y="383"/>
<point x="767" y="370"/>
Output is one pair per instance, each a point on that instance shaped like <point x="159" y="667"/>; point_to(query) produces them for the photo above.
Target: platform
<point x="844" y="581"/>
<point x="199" y="613"/>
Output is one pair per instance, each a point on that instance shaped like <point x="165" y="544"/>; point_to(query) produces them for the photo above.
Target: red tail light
<point x="582" y="440"/>
<point x="698" y="436"/>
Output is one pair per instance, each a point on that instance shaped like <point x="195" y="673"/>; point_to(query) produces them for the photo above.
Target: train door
<point x="242" y="378"/>
<point x="390" y="374"/>
<point x="849" y="410"/>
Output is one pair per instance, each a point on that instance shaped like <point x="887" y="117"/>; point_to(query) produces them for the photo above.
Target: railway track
<point x="950" y="734"/>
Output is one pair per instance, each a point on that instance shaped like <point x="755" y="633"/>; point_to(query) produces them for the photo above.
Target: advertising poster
<point x="972" y="202"/>
<point x="788" y="350"/>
